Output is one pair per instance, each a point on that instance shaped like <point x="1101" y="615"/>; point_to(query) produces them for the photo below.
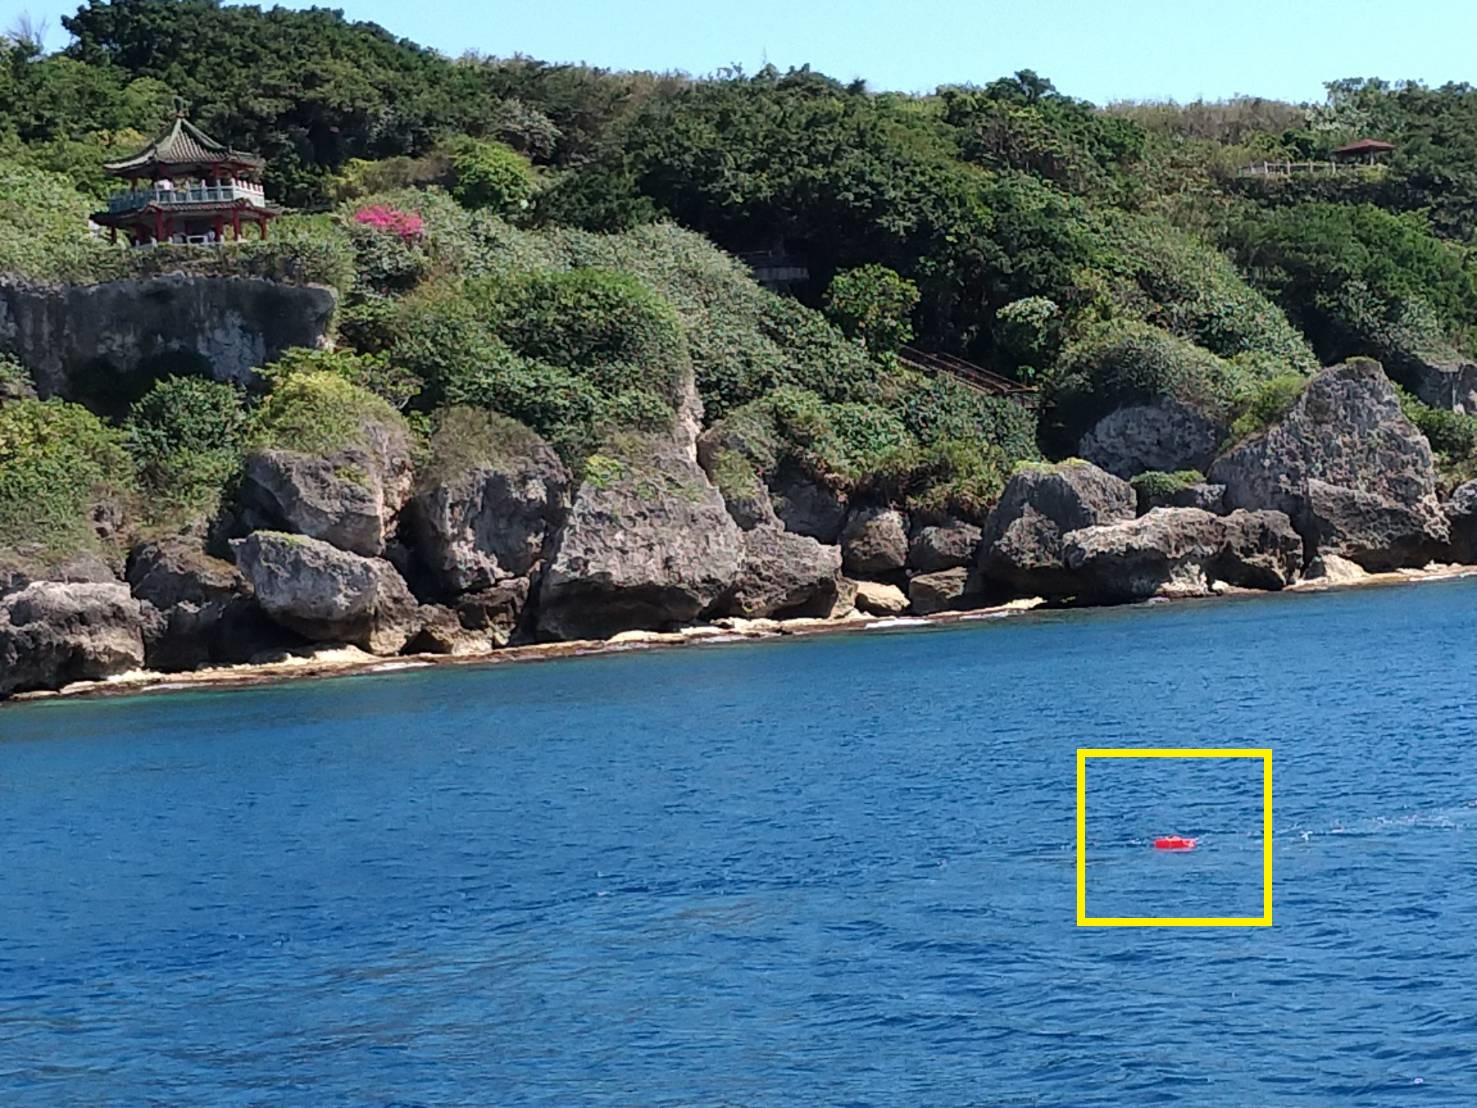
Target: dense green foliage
<point x="319" y="412"/>
<point x="1155" y="483"/>
<point x="58" y="463"/>
<point x="555" y="245"/>
<point x="185" y="435"/>
<point x="873" y="305"/>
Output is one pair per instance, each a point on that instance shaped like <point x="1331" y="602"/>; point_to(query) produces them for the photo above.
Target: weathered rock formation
<point x="806" y="506"/>
<point x="1180" y="551"/>
<point x="52" y="634"/>
<point x="196" y="609"/>
<point x="492" y="520"/>
<point x="1461" y="518"/>
<point x="929" y="593"/>
<point x="1166" y="435"/>
<point x="874" y="541"/>
<point x="648" y="543"/>
<point x="880" y="598"/>
<point x="1200" y="494"/>
<point x="1350" y="471"/>
<point x="940" y="546"/>
<point x="1021" y="545"/>
<point x="326" y="594"/>
<point x="349" y="499"/>
<point x="63" y="334"/>
<point x="784" y="574"/>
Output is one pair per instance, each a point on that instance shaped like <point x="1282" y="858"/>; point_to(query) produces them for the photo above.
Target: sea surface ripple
<point x="834" y="871"/>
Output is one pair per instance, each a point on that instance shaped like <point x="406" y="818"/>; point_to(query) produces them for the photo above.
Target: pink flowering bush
<point x="382" y="217"/>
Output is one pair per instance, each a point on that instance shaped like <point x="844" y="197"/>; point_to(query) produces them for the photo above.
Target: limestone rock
<point x="807" y="507"/>
<point x="198" y="609"/>
<point x="1165" y="434"/>
<point x="936" y="547"/>
<point x="326" y="594"/>
<point x="1461" y="516"/>
<point x="495" y="613"/>
<point x="1330" y="569"/>
<point x="54" y="633"/>
<point x="1180" y="551"/>
<point x="938" y="592"/>
<point x="784" y="574"/>
<point x="1449" y="382"/>
<point x="17" y="571"/>
<point x="493" y="519"/>
<point x="648" y="542"/>
<point x="880" y="599"/>
<point x="874" y="540"/>
<point x="846" y="594"/>
<point x="231" y="324"/>
<point x="349" y="498"/>
<point x="1021" y="544"/>
<point x="1202" y="494"/>
<point x="1350" y="471"/>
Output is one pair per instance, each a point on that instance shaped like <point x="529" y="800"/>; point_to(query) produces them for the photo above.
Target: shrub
<point x="1264" y="403"/>
<point x="319" y="413"/>
<point x="873" y="305"/>
<point x="1127" y="363"/>
<point x="186" y="436"/>
<point x="15" y="381"/>
<point x="1172" y="280"/>
<point x="465" y="438"/>
<point x="605" y="326"/>
<point x="1156" y="483"/>
<point x="58" y="463"/>
<point x="936" y="409"/>
<point x="1451" y="434"/>
<point x="408" y="226"/>
<point x="394" y="384"/>
<point x="493" y="177"/>
<point x="958" y="477"/>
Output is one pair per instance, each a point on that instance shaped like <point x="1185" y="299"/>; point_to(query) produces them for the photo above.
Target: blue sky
<point x="1103" y="50"/>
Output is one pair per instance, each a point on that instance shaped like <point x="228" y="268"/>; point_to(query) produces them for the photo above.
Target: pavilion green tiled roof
<point x="182" y="144"/>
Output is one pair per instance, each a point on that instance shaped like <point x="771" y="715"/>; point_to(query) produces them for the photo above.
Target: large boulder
<point x="484" y="520"/>
<point x="1197" y="494"/>
<point x="349" y="498"/>
<point x="939" y="546"/>
<point x="197" y="609"/>
<point x="880" y="598"/>
<point x="1021" y="545"/>
<point x="1351" y="472"/>
<point x="1441" y="382"/>
<point x="1165" y="434"/>
<point x="784" y="574"/>
<point x="1461" y="517"/>
<point x="1181" y="551"/>
<point x="874" y="540"/>
<point x="648" y="543"/>
<point x="929" y="593"/>
<point x="326" y="594"/>
<point x="53" y="633"/>
<point x="806" y="506"/>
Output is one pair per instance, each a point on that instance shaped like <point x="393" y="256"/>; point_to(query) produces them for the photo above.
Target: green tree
<point x="873" y="305"/>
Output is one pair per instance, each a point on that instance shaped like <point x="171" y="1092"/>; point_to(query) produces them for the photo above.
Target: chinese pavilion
<point x="184" y="187"/>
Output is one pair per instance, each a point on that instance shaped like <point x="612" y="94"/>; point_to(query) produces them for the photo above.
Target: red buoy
<point x="1174" y="842"/>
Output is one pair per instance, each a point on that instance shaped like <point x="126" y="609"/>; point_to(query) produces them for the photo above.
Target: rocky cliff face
<point x="64" y="334"/>
<point x="1352" y="473"/>
<point x="648" y="543"/>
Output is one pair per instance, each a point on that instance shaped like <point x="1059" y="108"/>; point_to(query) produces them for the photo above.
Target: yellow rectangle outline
<point x="1264" y="920"/>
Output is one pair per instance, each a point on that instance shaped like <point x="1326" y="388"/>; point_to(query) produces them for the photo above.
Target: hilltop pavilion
<point x="184" y="187"/>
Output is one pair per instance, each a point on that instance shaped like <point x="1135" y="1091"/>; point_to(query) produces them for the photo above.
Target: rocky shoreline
<point x="332" y="661"/>
<point x="489" y="549"/>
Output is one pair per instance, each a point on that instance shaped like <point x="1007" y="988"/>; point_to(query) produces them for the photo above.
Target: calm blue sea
<point x="836" y="871"/>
